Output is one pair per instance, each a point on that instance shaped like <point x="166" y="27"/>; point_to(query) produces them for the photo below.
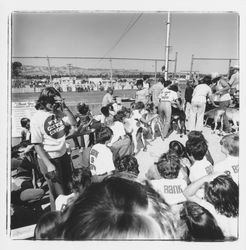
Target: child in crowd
<point x="200" y="224"/>
<point x="200" y="165"/>
<point x="48" y="226"/>
<point x="127" y="167"/>
<point x="25" y="133"/>
<point x="221" y="199"/>
<point x="142" y="95"/>
<point x="81" y="179"/>
<point x="178" y="112"/>
<point x="105" y="117"/>
<point x="170" y="186"/>
<point x="230" y="165"/>
<point x="101" y="157"/>
<point x="196" y="136"/>
<point x="84" y="119"/>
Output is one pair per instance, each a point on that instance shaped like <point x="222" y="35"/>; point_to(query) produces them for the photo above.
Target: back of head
<point x="178" y="148"/>
<point x="207" y="80"/>
<point x="139" y="105"/>
<point x="201" y="225"/>
<point x="197" y="149"/>
<point x="127" y="163"/>
<point x="167" y="83"/>
<point x="162" y="80"/>
<point x="223" y="194"/>
<point x="48" y="226"/>
<point x="82" y="108"/>
<point x="46" y="96"/>
<point x="174" y="88"/>
<point x="118" y="208"/>
<point x="119" y="116"/>
<point x="105" y="111"/>
<point x="231" y="143"/>
<point x="24" y="121"/>
<point x="104" y="134"/>
<point x="196" y="136"/>
<point x="139" y="82"/>
<point x="168" y="165"/>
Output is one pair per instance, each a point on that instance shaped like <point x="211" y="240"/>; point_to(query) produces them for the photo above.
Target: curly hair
<point x="127" y="163"/>
<point x="82" y="108"/>
<point x="197" y="149"/>
<point x="169" y="165"/>
<point x="231" y="143"/>
<point x="223" y="194"/>
<point x="139" y="105"/>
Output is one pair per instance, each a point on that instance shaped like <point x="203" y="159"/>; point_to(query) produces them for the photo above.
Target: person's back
<point x="101" y="157"/>
<point x="201" y="92"/>
<point x="170" y="187"/>
<point x="155" y="90"/>
<point x="230" y="165"/>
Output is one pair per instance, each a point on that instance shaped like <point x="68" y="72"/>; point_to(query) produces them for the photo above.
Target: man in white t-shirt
<point x="142" y="94"/>
<point x="101" y="157"/>
<point x="167" y="97"/>
<point x="198" y="103"/>
<point x="108" y="98"/>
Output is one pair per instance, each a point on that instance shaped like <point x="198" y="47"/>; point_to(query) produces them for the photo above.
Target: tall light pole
<point x="167" y="45"/>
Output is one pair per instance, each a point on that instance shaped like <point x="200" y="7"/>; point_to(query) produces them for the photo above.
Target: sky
<point x="93" y="34"/>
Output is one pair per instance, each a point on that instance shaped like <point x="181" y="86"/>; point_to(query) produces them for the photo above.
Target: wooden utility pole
<point x="48" y="60"/>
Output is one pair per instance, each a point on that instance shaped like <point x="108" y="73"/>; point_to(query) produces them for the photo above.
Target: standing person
<point x="188" y="96"/>
<point x="198" y="103"/>
<point x="167" y="97"/>
<point x="234" y="80"/>
<point x="146" y="82"/>
<point x="222" y="96"/>
<point x="142" y="95"/>
<point x="108" y="98"/>
<point x="155" y="90"/>
<point x="48" y="137"/>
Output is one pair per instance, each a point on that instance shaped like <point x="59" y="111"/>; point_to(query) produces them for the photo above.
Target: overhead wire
<point x="127" y="29"/>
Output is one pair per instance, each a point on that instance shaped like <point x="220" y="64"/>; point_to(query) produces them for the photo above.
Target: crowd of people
<point x="185" y="195"/>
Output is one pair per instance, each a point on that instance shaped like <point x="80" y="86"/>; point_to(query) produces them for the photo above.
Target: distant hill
<point x="30" y="70"/>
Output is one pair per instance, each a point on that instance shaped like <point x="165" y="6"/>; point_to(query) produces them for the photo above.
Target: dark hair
<point x="198" y="149"/>
<point x="105" y="111"/>
<point x="119" y="116"/>
<point x="168" y="165"/>
<point x="167" y="83"/>
<point x="145" y="77"/>
<point x="117" y="208"/>
<point x="162" y="80"/>
<point x="178" y="148"/>
<point x="24" y="122"/>
<point x="81" y="178"/>
<point x="201" y="225"/>
<point x="49" y="226"/>
<point x="231" y="143"/>
<point x="207" y="80"/>
<point x="195" y="136"/>
<point x="139" y="105"/>
<point x="139" y="82"/>
<point x="104" y="134"/>
<point x="46" y="97"/>
<point x="150" y="107"/>
<point x="127" y="163"/>
<point x="82" y="108"/>
<point x="174" y="88"/>
<point x="223" y="193"/>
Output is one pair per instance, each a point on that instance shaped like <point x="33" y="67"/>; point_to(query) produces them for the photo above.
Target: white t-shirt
<point x="229" y="165"/>
<point x="168" y="95"/>
<point x="170" y="189"/>
<point x="200" y="93"/>
<point x="142" y="96"/>
<point x="49" y="130"/>
<point x="228" y="225"/>
<point x="62" y="201"/>
<point x="107" y="99"/>
<point x="200" y="169"/>
<point x="101" y="159"/>
<point x="118" y="132"/>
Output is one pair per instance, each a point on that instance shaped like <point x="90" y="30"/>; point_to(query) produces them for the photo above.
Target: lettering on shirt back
<point x="172" y="189"/>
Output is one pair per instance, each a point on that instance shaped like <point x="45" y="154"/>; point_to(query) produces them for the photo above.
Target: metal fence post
<point x="191" y="65"/>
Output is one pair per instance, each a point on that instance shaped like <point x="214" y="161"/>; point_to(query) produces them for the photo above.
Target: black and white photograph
<point x="124" y="126"/>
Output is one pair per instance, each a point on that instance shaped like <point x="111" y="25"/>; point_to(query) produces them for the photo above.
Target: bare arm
<point x="212" y="101"/>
